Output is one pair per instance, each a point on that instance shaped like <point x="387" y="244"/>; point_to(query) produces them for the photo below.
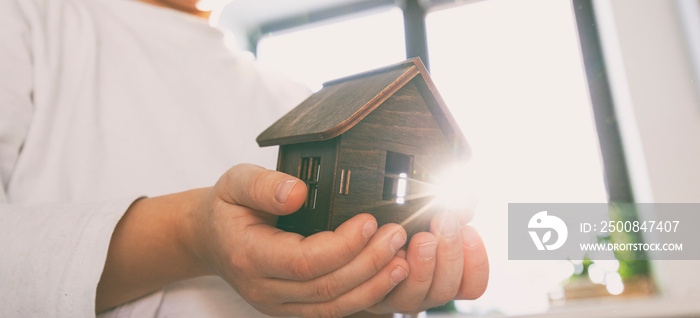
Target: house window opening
<point x="344" y="182"/>
<point x="309" y="171"/>
<point x="396" y="172"/>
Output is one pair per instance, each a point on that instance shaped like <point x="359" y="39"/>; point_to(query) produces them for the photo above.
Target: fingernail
<point x="448" y="226"/>
<point x="284" y="189"/>
<point x="427" y="251"/>
<point x="397" y="241"/>
<point x="470" y="237"/>
<point x="369" y="228"/>
<point x="398" y="275"/>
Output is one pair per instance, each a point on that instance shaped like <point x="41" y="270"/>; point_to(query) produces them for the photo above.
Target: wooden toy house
<point x="373" y="143"/>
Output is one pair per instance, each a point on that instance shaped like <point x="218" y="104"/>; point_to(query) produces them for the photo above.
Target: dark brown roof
<point x="342" y="103"/>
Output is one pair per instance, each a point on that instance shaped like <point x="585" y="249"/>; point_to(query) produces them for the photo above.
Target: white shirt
<point x="101" y="102"/>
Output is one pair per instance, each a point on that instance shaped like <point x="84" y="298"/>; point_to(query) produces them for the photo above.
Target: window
<point x="309" y="171"/>
<point x="511" y="73"/>
<point x="396" y="171"/>
<point x="324" y="51"/>
<point x="344" y="181"/>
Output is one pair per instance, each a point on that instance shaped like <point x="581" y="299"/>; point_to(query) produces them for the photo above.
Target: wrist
<point x="189" y="229"/>
<point x="150" y="249"/>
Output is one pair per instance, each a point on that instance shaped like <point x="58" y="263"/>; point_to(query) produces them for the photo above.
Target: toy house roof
<point x="344" y="102"/>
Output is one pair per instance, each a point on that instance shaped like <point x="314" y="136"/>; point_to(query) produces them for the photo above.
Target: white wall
<point x="658" y="107"/>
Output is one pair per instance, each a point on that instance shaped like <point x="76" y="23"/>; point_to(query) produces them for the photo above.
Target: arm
<point x="221" y="231"/>
<point x="52" y="254"/>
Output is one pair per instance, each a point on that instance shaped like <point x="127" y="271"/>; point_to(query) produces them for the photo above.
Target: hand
<point x="447" y="263"/>
<point x="231" y="234"/>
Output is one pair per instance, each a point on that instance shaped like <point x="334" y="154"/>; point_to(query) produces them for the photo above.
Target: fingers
<point x="450" y="260"/>
<point x="408" y="297"/>
<point x="432" y="281"/>
<point x="464" y="215"/>
<point x="261" y="189"/>
<point x="359" y="298"/>
<point x="319" y="254"/>
<point x="376" y="255"/>
<point x="476" y="265"/>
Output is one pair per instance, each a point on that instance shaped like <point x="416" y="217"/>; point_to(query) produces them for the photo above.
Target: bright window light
<point x="313" y="55"/>
<point x="511" y="73"/>
<point x="401" y="189"/>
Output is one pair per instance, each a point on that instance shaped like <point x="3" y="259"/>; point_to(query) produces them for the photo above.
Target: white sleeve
<point x="15" y="87"/>
<point x="51" y="256"/>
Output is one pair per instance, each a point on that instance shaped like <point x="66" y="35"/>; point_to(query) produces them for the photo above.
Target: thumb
<point x="261" y="189"/>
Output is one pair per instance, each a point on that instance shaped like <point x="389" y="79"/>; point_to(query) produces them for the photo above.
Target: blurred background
<point x="562" y="101"/>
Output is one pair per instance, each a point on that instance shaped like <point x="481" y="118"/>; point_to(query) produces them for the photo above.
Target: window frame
<point x="310" y="172"/>
<point x="394" y="178"/>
